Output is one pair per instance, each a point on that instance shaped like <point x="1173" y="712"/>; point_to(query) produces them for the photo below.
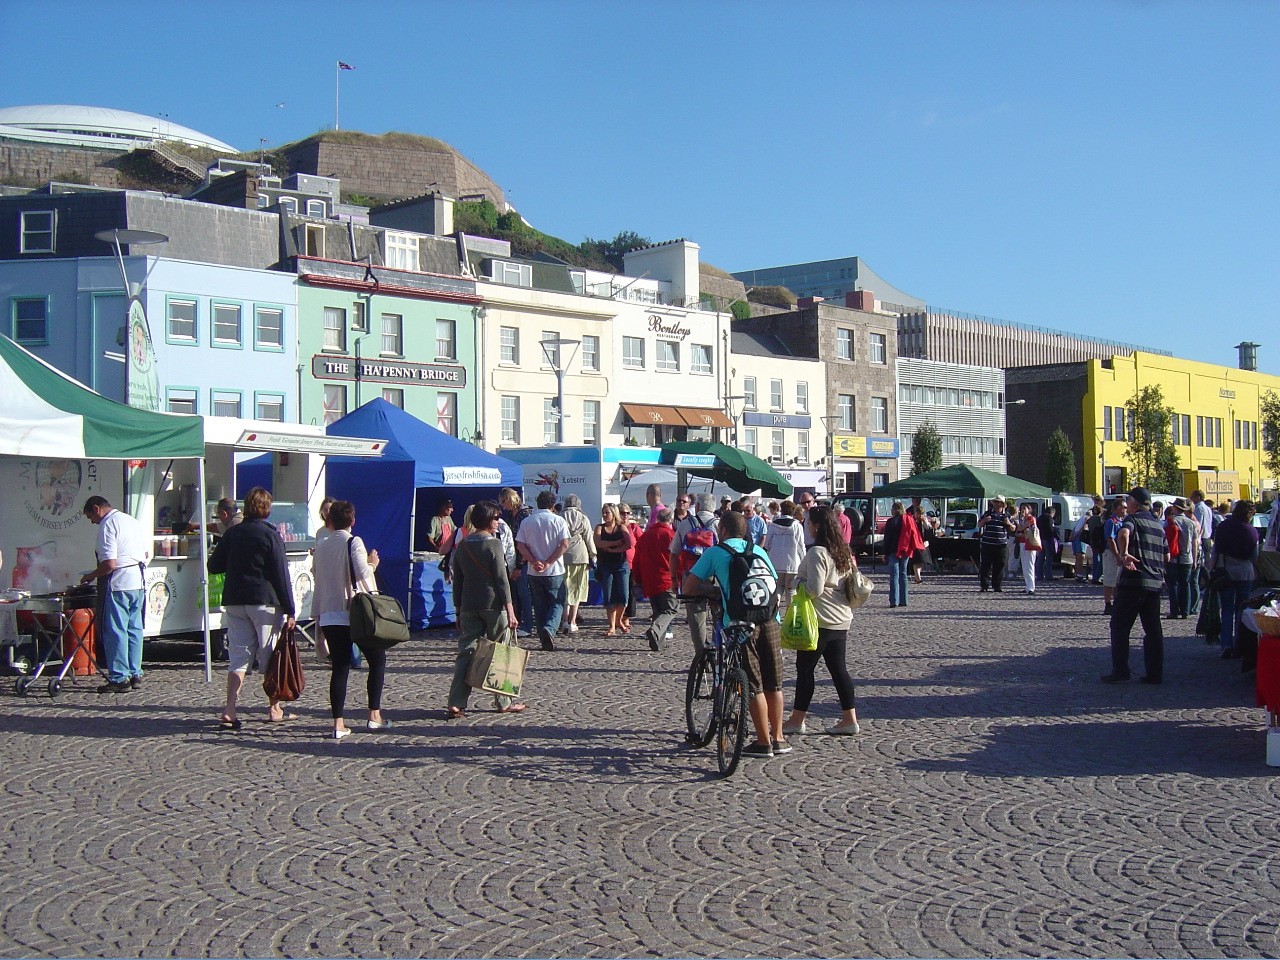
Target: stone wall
<point x="33" y="166"/>
<point x="390" y="172"/>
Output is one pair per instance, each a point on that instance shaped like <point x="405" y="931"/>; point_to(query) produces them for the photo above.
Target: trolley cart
<point x="60" y="606"/>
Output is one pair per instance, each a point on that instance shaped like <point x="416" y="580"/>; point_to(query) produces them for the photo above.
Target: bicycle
<point x="717" y="694"/>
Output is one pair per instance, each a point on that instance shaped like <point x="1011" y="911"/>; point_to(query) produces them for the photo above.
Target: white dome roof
<point x="97" y="126"/>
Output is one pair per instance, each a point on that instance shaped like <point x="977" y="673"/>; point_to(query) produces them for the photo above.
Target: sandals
<point x="455" y="713"/>
<point x="514" y="708"/>
<point x="284" y="717"/>
<point x="226" y="723"/>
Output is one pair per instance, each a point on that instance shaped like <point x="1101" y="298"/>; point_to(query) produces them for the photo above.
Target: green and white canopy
<point x="44" y="413"/>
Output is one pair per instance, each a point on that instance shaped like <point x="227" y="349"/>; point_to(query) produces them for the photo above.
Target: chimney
<point x="864" y="300"/>
<point x="804" y="303"/>
<point x="1248" y="355"/>
<point x="441" y="215"/>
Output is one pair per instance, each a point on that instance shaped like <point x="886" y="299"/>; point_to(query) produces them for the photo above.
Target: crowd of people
<point x="515" y="567"/>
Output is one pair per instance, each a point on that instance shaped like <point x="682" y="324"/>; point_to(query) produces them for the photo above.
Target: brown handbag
<point x="283" y="679"/>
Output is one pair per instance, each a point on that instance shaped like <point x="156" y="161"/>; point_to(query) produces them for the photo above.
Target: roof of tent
<point x="961" y="480"/>
<point x="48" y="414"/>
<point x="439" y="459"/>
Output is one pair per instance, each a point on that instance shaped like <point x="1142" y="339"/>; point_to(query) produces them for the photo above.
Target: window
<point x="802" y="397"/>
<point x="393" y="396"/>
<point x="633" y="352"/>
<point x="549" y="356"/>
<point x="447" y="413"/>
<point x="510" y="419"/>
<point x="879" y="415"/>
<point x="335" y="402"/>
<point x="30" y="319"/>
<point x="879" y="479"/>
<point x="591" y="353"/>
<point x="700" y="358"/>
<point x="550" y="417"/>
<point x="748" y="393"/>
<point x="315" y="208"/>
<point x="288" y="205"/>
<point x="844" y="344"/>
<point x="668" y="355"/>
<point x="269" y="406"/>
<point x="844" y="411"/>
<point x="335" y="329"/>
<point x="393" y="335"/>
<point x="509" y="344"/>
<point x="268" y="328"/>
<point x="401" y="250"/>
<point x="590" y="421"/>
<point x="778" y="449"/>
<point x="1181" y="424"/>
<point x="802" y="446"/>
<point x="579" y="280"/>
<point x="879" y="348"/>
<point x="360" y="316"/>
<point x="182" y="320"/>
<point x="37" y="231"/>
<point x="1106" y="423"/>
<point x="315" y="238"/>
<point x="180" y="400"/>
<point x="517" y="274"/>
<point x="226" y="324"/>
<point x="224" y="403"/>
<point x="749" y="440"/>
<point x="775" y="394"/>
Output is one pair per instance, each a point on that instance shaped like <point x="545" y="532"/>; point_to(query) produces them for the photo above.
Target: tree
<point x="1060" y="462"/>
<point x="1271" y="432"/>
<point x="614" y="250"/>
<point x="1150" y="448"/>
<point x="926" y="449"/>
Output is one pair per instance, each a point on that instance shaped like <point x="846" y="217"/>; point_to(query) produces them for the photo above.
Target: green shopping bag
<point x="800" y="625"/>
<point x="216" y="580"/>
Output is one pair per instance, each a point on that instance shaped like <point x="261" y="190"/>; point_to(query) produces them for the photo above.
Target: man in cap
<point x="1141" y="546"/>
<point x="994" y="527"/>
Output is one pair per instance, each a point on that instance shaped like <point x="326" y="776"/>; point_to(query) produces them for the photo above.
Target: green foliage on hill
<point x="772" y="297"/>
<point x="481" y="218"/>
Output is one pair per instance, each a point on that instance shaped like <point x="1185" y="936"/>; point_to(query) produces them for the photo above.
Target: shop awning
<point x="704" y="417"/>
<point x="644" y="415"/>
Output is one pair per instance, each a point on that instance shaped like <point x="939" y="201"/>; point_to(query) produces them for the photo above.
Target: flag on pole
<point x="345" y="66"/>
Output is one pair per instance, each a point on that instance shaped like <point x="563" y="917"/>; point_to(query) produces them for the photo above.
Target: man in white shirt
<point x="123" y="550"/>
<point x="542" y="540"/>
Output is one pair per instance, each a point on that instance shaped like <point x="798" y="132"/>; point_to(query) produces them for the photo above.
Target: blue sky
<point x="1103" y="168"/>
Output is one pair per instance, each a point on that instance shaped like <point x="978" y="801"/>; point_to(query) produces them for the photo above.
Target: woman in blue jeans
<point x="613" y="540"/>
<point x="901" y="541"/>
<point x="1235" y="543"/>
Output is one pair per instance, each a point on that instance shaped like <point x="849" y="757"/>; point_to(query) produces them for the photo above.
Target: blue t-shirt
<point x="1111" y="526"/>
<point x="756" y="527"/>
<point x="714" y="565"/>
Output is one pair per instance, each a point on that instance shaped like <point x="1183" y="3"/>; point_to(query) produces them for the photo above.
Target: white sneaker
<point x="845" y="728"/>
<point x="790" y="727"/>
<point x="669" y="636"/>
<point x="375" y="725"/>
<point x="573" y="628"/>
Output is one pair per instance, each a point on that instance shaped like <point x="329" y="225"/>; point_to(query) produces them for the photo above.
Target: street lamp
<point x="829" y="424"/>
<point x="1102" y="458"/>
<point x="728" y="410"/>
<point x="551" y="350"/>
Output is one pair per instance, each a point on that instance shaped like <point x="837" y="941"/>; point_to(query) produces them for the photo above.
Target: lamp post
<point x="1102" y="459"/>
<point x="552" y="350"/>
<point x="829" y="424"/>
<point x="728" y="412"/>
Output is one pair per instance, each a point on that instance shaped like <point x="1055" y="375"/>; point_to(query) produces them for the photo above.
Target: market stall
<point x="396" y="497"/>
<point x="61" y="443"/>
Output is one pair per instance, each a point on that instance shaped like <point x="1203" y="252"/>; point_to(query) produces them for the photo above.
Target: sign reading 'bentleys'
<point x="384" y="371"/>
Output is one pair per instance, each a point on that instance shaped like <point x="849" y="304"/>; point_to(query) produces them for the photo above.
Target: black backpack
<point x="1097" y="534"/>
<point x="752" y="592"/>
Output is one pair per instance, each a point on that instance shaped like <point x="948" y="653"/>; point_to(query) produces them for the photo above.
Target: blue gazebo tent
<point x="397" y="495"/>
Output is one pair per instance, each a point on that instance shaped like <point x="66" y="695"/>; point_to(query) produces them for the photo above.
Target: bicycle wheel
<point x="699" y="699"/>
<point x="734" y="719"/>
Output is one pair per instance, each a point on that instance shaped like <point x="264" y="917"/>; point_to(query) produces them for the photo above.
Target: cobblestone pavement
<point x="1000" y="801"/>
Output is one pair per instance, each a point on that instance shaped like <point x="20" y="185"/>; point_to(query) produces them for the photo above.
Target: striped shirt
<point x="995" y="529"/>
<point x="1148" y="546"/>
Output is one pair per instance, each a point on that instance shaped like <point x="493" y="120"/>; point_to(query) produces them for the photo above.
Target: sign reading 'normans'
<point x="384" y="371"/>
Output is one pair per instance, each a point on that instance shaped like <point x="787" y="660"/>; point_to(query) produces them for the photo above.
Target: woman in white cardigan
<point x="335" y="559"/>
<point x="823" y="572"/>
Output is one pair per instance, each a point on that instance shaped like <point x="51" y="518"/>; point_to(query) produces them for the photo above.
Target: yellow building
<point x="1217" y="426"/>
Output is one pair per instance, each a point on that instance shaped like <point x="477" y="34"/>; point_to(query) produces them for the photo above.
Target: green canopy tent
<point x="718" y="461"/>
<point x="46" y="414"/>
<point x="962" y="480"/>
